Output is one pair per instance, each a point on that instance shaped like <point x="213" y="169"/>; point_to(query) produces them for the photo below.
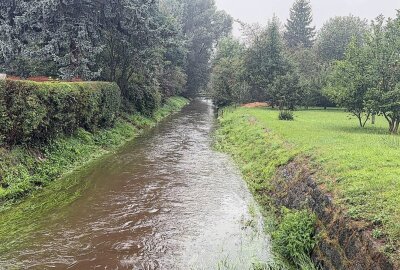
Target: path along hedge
<point x="33" y="113"/>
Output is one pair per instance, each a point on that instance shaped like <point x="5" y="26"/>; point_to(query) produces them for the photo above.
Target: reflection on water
<point x="165" y="201"/>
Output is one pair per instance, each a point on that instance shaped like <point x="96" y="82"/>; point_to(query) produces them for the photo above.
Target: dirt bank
<point x="344" y="243"/>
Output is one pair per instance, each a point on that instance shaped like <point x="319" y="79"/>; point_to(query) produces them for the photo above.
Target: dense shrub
<point x="32" y="112"/>
<point x="142" y="97"/>
<point x="286" y="115"/>
<point x="295" y="236"/>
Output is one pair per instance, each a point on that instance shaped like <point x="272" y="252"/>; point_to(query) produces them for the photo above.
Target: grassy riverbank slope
<point x="26" y="169"/>
<point x="360" y="168"/>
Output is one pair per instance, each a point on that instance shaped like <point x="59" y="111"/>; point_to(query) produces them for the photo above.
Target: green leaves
<point x="299" y="32"/>
<point x="38" y="112"/>
<point x="336" y="34"/>
<point x="227" y="80"/>
<point x="204" y="25"/>
<point x="295" y="236"/>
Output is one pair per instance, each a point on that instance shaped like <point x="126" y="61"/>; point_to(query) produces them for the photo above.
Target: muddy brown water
<point x="165" y="201"/>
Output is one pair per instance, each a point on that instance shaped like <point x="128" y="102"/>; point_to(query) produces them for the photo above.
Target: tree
<point x="367" y="81"/>
<point x="384" y="43"/>
<point x="299" y="32"/>
<point x="312" y="76"/>
<point x="286" y="90"/>
<point x="51" y="37"/>
<point x="351" y="80"/>
<point x="172" y="76"/>
<point x="203" y="26"/>
<point x="133" y="51"/>
<point x="336" y="34"/>
<point x="265" y="60"/>
<point x="227" y="79"/>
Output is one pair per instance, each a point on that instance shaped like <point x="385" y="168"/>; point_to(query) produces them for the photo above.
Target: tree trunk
<point x="373" y="118"/>
<point x="366" y="120"/>
<point x="393" y="123"/>
<point x="359" y="119"/>
<point x="396" y="126"/>
<point x="391" y="126"/>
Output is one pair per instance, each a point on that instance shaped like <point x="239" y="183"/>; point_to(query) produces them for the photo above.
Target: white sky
<point x="252" y="11"/>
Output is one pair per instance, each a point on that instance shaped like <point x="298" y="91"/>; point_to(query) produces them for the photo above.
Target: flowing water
<point x="165" y="201"/>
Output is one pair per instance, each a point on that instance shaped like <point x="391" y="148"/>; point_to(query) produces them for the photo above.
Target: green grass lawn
<point x="360" y="166"/>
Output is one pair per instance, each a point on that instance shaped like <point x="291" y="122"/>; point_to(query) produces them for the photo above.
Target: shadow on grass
<point x="371" y="130"/>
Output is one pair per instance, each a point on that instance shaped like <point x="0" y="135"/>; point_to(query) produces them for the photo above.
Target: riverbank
<point x="60" y="166"/>
<point x="322" y="162"/>
<point x="155" y="203"/>
<point x="27" y="169"/>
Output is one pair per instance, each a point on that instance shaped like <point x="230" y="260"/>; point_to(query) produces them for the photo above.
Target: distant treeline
<point x="151" y="49"/>
<point x="348" y="63"/>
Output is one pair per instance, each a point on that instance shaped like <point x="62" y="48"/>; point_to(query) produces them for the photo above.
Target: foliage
<point x="37" y="38"/>
<point x="294" y="237"/>
<point x="347" y="157"/>
<point x="312" y="74"/>
<point x="227" y="80"/>
<point x="299" y="32"/>
<point x="285" y="91"/>
<point x="384" y="44"/>
<point x="38" y="112"/>
<point x="24" y="169"/>
<point x="367" y="81"/>
<point x="261" y="71"/>
<point x="336" y="34"/>
<point x="286" y="115"/>
<point x="265" y="61"/>
<point x="151" y="49"/>
<point x="203" y="27"/>
<point x="350" y="82"/>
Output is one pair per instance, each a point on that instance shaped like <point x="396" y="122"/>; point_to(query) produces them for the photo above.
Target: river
<point x="167" y="200"/>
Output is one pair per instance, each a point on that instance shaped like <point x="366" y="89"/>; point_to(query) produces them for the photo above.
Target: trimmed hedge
<point x="32" y="112"/>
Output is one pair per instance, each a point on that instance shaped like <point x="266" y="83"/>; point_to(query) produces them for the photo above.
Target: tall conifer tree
<point x="299" y="32"/>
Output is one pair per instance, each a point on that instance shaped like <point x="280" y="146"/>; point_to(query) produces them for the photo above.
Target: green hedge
<point x="33" y="112"/>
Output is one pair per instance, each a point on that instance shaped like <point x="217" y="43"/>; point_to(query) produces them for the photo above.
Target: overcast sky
<point x="252" y="11"/>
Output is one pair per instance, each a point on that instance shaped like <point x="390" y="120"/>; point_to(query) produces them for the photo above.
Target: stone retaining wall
<point x="345" y="243"/>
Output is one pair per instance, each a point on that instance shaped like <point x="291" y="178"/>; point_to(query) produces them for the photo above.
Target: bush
<point x="286" y="115"/>
<point x="32" y="112"/>
<point x="144" y="98"/>
<point x="294" y="238"/>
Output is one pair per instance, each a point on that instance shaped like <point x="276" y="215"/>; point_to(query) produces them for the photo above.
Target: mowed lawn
<point x="360" y="165"/>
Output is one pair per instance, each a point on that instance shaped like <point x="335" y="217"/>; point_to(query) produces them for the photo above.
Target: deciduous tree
<point x="336" y="34"/>
<point x="350" y="82"/>
<point x="228" y="84"/>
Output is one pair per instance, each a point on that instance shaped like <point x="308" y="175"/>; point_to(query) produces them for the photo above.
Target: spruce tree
<point x="299" y="32"/>
<point x="265" y="61"/>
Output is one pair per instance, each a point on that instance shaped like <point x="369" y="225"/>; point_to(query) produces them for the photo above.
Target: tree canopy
<point x="336" y="34"/>
<point x="367" y="80"/>
<point x="152" y="49"/>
